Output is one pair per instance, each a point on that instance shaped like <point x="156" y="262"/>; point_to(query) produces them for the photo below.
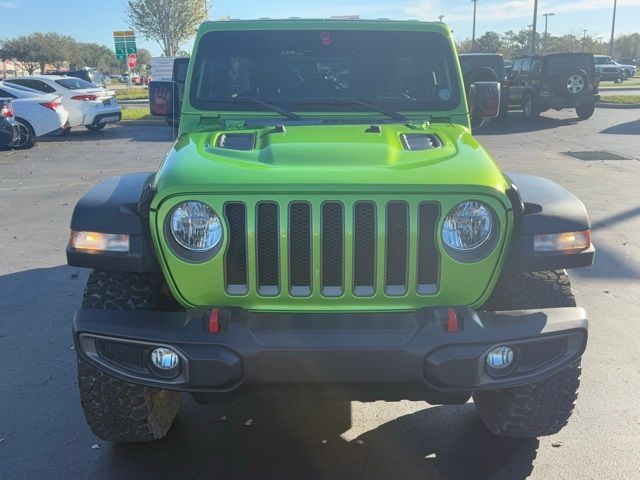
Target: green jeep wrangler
<point x="326" y="224"/>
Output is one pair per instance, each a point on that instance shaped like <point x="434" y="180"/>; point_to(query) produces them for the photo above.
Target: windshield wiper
<point x="275" y="108"/>
<point x="370" y="106"/>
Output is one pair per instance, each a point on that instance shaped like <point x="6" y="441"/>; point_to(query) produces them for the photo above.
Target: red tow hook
<point x="452" y="321"/>
<point x="214" y="321"/>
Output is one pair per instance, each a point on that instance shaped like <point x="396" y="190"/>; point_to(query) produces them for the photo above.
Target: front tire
<point x="118" y="411"/>
<point x="544" y="407"/>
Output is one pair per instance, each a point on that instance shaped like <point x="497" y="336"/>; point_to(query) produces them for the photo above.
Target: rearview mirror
<point x="484" y="100"/>
<point x="163" y="99"/>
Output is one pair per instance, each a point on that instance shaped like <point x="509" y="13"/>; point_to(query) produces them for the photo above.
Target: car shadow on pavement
<point x="120" y="131"/>
<point x="302" y="440"/>
<point x="629" y="128"/>
<point x="516" y="123"/>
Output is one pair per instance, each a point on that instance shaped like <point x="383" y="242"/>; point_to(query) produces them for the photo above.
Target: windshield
<point x="75" y="83"/>
<point x="314" y="71"/>
<point x="603" y="60"/>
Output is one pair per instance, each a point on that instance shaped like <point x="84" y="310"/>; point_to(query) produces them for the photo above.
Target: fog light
<point x="165" y="358"/>
<point x="500" y="358"/>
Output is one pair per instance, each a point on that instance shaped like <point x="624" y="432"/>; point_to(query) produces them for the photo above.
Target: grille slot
<point x="236" y="257"/>
<point x="428" y="256"/>
<point x="300" y="235"/>
<point x="397" y="248"/>
<point x="124" y="354"/>
<point x="267" y="251"/>
<point x="364" y="249"/>
<point x="332" y="249"/>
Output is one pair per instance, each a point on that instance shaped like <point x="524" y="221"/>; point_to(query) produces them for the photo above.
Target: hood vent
<point x="237" y="141"/>
<point x="420" y="141"/>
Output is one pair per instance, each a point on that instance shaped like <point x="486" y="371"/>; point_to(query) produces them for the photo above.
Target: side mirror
<point x="163" y="99"/>
<point x="484" y="100"/>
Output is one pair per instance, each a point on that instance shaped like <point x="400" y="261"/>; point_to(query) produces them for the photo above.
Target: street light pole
<point x="546" y="24"/>
<point x="533" y="29"/>
<point x="473" y="35"/>
<point x="440" y="17"/>
<point x="584" y="38"/>
<point x="613" y="27"/>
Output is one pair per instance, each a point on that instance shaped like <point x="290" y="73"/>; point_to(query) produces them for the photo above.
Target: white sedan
<point x="88" y="105"/>
<point x="37" y="114"/>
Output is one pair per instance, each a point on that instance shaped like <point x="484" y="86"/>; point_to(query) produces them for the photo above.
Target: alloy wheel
<point x="25" y="135"/>
<point x="575" y="84"/>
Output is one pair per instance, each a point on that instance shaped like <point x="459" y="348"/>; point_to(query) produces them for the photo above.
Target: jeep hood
<point x="328" y="158"/>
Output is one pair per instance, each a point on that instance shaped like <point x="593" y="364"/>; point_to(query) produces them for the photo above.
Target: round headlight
<point x="467" y="226"/>
<point x="195" y="226"/>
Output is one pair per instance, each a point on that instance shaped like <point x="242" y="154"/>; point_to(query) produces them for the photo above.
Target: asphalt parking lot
<point x="42" y="430"/>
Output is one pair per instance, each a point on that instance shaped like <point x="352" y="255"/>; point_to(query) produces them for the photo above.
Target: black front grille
<point x="332" y="249"/>
<point x="302" y="249"/>
<point x="127" y="355"/>
<point x="267" y="249"/>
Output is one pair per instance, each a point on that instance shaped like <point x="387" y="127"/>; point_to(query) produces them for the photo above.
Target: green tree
<point x="23" y="50"/>
<point x="168" y="22"/>
<point x="490" y="42"/>
<point x="627" y="46"/>
<point x="144" y="58"/>
<point x="94" y="55"/>
<point x="53" y="49"/>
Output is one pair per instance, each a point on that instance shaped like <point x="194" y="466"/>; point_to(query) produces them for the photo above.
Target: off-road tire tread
<point x="544" y="407"/>
<point x="533" y="410"/>
<point x="116" y="410"/>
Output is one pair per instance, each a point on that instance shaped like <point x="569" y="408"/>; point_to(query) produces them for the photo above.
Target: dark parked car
<point x="554" y="81"/>
<point x="9" y="131"/>
<point x="485" y="67"/>
<point x="88" y="74"/>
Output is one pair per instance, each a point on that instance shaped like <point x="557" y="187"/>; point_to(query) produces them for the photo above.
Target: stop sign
<point x="133" y="58"/>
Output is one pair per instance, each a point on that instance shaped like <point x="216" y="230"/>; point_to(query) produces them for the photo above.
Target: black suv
<point x="485" y="67"/>
<point x="88" y="74"/>
<point x="555" y="80"/>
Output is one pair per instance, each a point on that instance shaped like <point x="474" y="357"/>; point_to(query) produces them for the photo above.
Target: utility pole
<point x="613" y="27"/>
<point x="584" y="38"/>
<point x="546" y="24"/>
<point x="473" y="35"/>
<point x="206" y="9"/>
<point x="533" y="29"/>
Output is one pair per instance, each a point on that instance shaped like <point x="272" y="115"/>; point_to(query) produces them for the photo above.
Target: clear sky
<point x="91" y="20"/>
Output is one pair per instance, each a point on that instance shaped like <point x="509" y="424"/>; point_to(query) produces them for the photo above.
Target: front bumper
<point x="364" y="356"/>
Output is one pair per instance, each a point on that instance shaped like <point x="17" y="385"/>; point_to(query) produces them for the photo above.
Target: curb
<point x="143" y="122"/>
<point x="620" y="106"/>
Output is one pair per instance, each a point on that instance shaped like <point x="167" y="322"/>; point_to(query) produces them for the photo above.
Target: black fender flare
<point x="544" y="207"/>
<point x="117" y="205"/>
